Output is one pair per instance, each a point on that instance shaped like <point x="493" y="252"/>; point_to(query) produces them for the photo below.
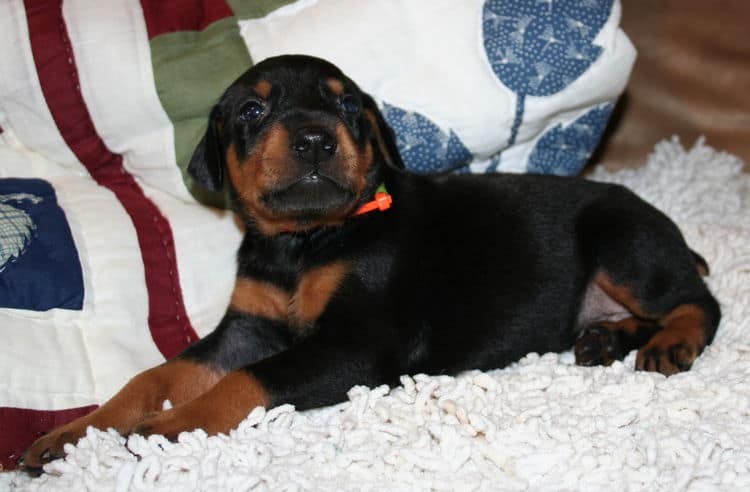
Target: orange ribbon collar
<point x="382" y="202"/>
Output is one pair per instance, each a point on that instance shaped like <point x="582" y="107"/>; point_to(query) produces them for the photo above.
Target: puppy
<point x="353" y="271"/>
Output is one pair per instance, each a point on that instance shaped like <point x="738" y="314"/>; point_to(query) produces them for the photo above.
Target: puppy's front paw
<point x="50" y="446"/>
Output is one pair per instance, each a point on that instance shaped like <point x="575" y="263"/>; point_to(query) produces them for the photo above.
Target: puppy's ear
<point x="207" y="164"/>
<point x="383" y="135"/>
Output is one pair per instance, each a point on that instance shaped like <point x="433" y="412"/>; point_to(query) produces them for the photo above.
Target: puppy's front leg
<point x="315" y="372"/>
<point x="238" y="340"/>
<point x="177" y="380"/>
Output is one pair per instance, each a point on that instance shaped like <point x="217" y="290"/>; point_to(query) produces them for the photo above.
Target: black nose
<point x="313" y="144"/>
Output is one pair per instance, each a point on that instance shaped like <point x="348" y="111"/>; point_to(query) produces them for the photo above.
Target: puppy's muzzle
<point x="314" y="145"/>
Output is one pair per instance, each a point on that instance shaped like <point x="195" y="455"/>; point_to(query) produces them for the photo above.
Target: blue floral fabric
<point x="565" y="150"/>
<point x="39" y="265"/>
<point x="538" y="47"/>
<point x="534" y="48"/>
<point x="424" y="147"/>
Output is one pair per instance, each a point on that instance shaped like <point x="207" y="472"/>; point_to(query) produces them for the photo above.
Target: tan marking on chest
<point x="314" y="291"/>
<point x="260" y="299"/>
<point x="299" y="309"/>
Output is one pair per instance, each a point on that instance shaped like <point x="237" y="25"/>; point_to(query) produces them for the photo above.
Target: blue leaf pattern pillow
<point x="535" y="48"/>
<point x="538" y="47"/>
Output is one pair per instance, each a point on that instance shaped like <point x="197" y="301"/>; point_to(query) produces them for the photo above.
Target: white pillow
<point x="510" y="85"/>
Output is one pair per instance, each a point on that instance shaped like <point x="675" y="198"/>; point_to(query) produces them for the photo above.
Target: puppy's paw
<point x="597" y="346"/>
<point x="50" y="447"/>
<point x="666" y="355"/>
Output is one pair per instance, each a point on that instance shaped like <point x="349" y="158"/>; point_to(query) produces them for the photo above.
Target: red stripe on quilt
<point x="55" y="64"/>
<point x="168" y="322"/>
<point x="19" y="427"/>
<point x="163" y="16"/>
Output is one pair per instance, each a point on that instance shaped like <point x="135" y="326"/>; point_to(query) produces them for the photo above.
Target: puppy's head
<point x="297" y="142"/>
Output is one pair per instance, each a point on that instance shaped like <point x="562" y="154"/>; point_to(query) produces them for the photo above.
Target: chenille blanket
<point x="540" y="424"/>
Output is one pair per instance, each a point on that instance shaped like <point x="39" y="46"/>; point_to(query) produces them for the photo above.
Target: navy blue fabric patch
<point x="39" y="265"/>
<point x="565" y="150"/>
<point x="539" y="47"/>
<point x="423" y="146"/>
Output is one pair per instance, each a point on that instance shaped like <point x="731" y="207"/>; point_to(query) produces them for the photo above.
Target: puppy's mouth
<point x="312" y="196"/>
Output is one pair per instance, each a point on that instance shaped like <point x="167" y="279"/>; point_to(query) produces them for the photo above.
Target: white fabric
<point x="61" y="358"/>
<point x="113" y="58"/>
<point x="21" y="99"/>
<point x="541" y="424"/>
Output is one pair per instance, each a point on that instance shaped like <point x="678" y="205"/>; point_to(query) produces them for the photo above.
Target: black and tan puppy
<point x="458" y="272"/>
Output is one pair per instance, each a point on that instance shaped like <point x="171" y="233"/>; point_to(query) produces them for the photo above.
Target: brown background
<point x="691" y="78"/>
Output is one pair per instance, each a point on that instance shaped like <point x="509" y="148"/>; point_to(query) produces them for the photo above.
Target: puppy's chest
<point x="300" y="306"/>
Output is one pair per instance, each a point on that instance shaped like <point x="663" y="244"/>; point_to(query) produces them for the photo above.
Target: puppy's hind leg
<point x="676" y="303"/>
<point x="639" y="259"/>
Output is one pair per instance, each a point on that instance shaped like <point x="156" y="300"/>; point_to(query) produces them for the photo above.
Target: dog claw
<point x="32" y="471"/>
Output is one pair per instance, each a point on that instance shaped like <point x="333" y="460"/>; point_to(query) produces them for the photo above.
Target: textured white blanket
<point x="541" y="424"/>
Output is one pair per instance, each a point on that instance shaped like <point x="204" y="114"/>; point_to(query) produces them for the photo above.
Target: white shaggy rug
<point x="541" y="424"/>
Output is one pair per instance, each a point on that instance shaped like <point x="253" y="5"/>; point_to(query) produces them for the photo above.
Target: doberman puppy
<point x="354" y="271"/>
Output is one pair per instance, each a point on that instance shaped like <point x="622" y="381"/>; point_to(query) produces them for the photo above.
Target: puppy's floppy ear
<point x="207" y="164"/>
<point x="383" y="135"/>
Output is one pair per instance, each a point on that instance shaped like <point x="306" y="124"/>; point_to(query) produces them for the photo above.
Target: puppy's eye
<point x="251" y="111"/>
<point x="349" y="104"/>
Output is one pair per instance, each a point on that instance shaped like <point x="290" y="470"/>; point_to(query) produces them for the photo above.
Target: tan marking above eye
<point x="336" y="86"/>
<point x="263" y="88"/>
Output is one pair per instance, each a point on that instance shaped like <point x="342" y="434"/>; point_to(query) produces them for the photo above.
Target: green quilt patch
<point x="255" y="9"/>
<point x="191" y="71"/>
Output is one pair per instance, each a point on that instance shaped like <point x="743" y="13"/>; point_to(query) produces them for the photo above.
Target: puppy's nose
<point x="314" y="144"/>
